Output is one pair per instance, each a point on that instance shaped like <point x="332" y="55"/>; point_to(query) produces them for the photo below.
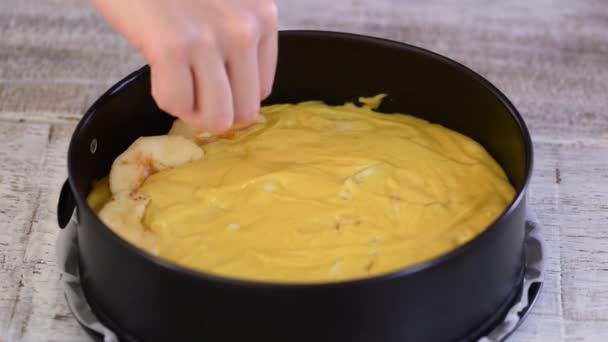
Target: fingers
<point x="268" y="48"/>
<point x="172" y="86"/>
<point x="213" y="73"/>
<point x="267" y="63"/>
<point x="213" y="106"/>
<point x="244" y="80"/>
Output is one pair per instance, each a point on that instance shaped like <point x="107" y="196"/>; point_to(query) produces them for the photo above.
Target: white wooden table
<point x="549" y="56"/>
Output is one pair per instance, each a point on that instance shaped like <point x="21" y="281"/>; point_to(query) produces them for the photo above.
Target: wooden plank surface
<point x="549" y="56"/>
<point x="32" y="306"/>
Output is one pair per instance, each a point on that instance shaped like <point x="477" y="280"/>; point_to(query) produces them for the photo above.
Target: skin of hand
<point x="211" y="61"/>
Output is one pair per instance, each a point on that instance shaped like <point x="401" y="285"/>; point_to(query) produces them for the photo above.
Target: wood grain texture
<point x="32" y="306"/>
<point x="549" y="56"/>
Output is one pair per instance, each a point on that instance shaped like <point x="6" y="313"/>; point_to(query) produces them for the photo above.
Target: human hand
<point x="212" y="61"/>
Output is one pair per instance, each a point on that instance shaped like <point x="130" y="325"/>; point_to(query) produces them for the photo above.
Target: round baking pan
<point x="456" y="296"/>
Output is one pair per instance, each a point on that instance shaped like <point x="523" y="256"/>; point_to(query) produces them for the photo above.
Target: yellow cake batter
<point x="323" y="193"/>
